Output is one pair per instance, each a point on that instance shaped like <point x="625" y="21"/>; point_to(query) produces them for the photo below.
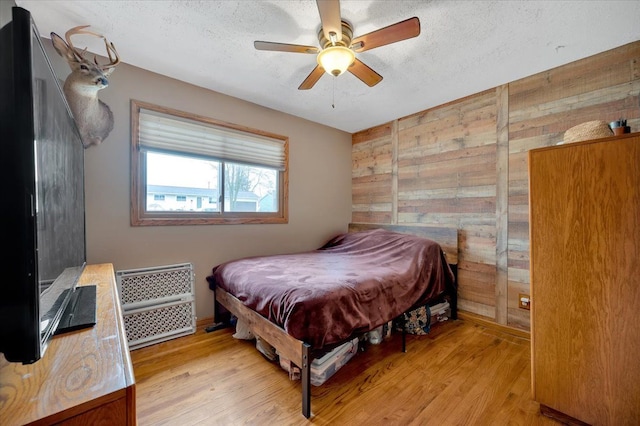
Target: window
<point x="188" y="169"/>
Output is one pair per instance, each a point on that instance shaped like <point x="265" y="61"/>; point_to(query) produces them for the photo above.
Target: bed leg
<point x="221" y="317"/>
<point x="402" y="322"/>
<point x="454" y="292"/>
<point x="404" y="340"/>
<point x="306" y="380"/>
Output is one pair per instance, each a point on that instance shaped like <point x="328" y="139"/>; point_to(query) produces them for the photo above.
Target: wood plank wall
<point x="371" y="180"/>
<point x="465" y="164"/>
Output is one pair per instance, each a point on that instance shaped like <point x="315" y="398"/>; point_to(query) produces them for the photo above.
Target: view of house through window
<point x="249" y="188"/>
<point x="182" y="183"/>
<point x="193" y="170"/>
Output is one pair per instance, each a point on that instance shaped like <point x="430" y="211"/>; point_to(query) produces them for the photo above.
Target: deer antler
<point x="113" y="61"/>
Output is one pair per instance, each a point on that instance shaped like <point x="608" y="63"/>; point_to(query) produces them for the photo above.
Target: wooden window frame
<point x="141" y="217"/>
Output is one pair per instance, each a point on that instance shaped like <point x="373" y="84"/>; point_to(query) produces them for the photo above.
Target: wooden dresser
<point x="585" y="280"/>
<point x="85" y="377"/>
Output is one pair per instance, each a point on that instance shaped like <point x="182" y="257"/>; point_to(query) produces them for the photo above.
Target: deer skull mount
<point x="93" y="117"/>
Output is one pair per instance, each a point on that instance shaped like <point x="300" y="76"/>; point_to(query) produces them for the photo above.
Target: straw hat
<point x="586" y="131"/>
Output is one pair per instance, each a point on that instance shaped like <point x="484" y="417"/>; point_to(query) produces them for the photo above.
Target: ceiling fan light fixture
<point x="336" y="59"/>
<point x="337" y="47"/>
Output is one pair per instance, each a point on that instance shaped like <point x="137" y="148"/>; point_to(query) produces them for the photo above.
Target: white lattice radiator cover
<point x="158" y="303"/>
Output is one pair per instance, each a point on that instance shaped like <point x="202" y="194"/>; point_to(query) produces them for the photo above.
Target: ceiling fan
<point x="338" y="48"/>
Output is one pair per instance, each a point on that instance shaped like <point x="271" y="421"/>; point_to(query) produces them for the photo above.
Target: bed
<point x="304" y="304"/>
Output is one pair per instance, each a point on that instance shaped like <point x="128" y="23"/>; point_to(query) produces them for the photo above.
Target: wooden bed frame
<point x="294" y="349"/>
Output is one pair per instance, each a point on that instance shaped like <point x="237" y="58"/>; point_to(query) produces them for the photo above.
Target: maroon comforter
<point x="354" y="283"/>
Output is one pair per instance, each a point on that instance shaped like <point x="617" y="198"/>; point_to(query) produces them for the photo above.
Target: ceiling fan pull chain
<point x="333" y="97"/>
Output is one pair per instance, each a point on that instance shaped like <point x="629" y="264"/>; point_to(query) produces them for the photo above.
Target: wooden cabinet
<point x="585" y="279"/>
<point x="85" y="377"/>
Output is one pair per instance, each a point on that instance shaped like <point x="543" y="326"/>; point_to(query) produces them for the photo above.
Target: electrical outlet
<point x="524" y="301"/>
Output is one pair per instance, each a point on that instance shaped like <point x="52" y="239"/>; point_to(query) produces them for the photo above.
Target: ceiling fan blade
<point x="396" y="32"/>
<point x="284" y="47"/>
<point x="364" y="73"/>
<point x="330" y="17"/>
<point x="312" y="78"/>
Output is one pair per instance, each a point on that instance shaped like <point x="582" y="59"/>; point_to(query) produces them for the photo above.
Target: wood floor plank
<point x="461" y="373"/>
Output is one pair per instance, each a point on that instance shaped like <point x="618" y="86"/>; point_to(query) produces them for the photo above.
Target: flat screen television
<point x="43" y="216"/>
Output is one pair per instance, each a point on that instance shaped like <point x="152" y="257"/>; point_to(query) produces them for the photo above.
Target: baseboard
<point x="486" y="322"/>
<point x="204" y="322"/>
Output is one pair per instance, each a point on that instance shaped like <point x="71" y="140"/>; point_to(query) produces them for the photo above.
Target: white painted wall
<point x="319" y="184"/>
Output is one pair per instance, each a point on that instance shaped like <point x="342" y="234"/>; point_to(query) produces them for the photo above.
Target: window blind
<point x="177" y="134"/>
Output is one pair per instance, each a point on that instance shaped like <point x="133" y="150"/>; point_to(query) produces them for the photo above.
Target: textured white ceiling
<point x="464" y="47"/>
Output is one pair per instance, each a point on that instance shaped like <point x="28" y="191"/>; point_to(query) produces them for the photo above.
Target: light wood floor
<point x="461" y="374"/>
